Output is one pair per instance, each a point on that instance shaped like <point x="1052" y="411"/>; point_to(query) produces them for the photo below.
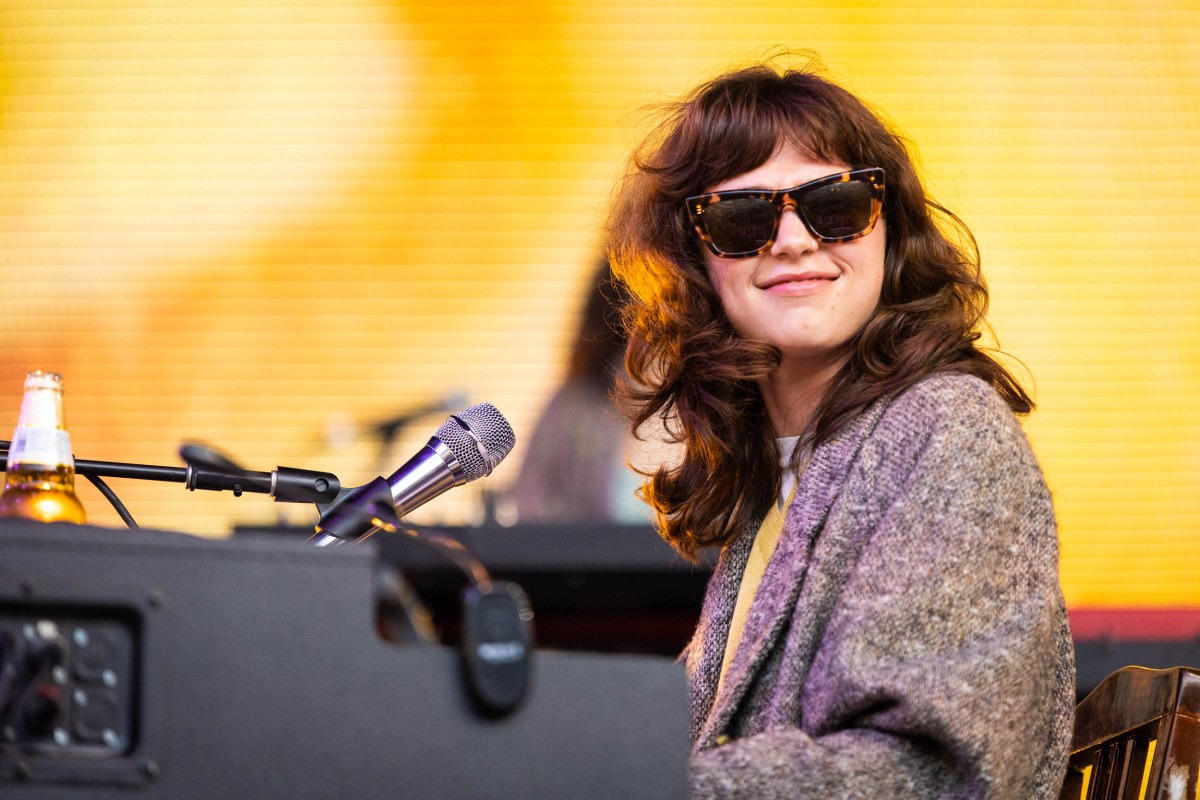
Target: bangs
<point x="824" y="129"/>
<point x="728" y="133"/>
<point x="738" y="145"/>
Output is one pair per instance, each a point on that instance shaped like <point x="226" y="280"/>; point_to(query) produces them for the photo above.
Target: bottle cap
<point x="43" y="380"/>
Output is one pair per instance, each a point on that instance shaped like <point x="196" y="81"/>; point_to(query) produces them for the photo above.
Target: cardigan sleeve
<point x="945" y="666"/>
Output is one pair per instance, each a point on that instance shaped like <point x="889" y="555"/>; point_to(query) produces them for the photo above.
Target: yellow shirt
<point x="765" y="541"/>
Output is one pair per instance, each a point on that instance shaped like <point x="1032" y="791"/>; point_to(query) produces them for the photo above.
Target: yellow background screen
<point x="259" y="224"/>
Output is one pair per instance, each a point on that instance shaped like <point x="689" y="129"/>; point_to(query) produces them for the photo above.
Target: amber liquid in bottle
<point x="40" y="479"/>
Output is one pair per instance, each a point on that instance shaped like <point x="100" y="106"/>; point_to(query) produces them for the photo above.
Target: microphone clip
<point x="366" y="508"/>
<point x="210" y="469"/>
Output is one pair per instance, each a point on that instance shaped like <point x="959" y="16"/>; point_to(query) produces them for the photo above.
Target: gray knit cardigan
<point x="909" y="638"/>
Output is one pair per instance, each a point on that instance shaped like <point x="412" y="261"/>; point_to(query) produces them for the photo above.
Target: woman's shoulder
<point x="950" y="397"/>
<point x="955" y="429"/>
<point x="953" y="411"/>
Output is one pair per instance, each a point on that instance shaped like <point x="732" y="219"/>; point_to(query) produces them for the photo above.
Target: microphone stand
<point x="285" y="484"/>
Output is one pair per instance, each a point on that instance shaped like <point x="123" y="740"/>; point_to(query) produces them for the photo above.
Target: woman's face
<point x="807" y="298"/>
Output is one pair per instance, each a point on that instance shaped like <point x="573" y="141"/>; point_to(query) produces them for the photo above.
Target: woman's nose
<point x="794" y="238"/>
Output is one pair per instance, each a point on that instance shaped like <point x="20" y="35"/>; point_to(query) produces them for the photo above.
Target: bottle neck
<point x="41" y="407"/>
<point x="39" y="482"/>
<point x="40" y="441"/>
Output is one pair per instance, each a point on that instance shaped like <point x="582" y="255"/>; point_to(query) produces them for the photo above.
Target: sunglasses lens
<point x="742" y="225"/>
<point x="839" y="210"/>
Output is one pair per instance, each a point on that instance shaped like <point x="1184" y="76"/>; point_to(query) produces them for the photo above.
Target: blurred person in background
<point x="575" y="467"/>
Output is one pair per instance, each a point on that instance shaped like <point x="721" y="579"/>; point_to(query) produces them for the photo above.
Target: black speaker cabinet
<point x="151" y="664"/>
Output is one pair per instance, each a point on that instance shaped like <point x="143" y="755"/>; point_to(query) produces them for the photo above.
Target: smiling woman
<point x="888" y="546"/>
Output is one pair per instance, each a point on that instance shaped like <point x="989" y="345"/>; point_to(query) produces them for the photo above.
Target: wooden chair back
<point x="1137" y="737"/>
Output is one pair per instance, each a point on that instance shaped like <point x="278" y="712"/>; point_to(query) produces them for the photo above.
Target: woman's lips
<point x="798" y="285"/>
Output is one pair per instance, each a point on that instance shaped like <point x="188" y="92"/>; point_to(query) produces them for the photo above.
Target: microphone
<point x="466" y="447"/>
<point x="497" y="637"/>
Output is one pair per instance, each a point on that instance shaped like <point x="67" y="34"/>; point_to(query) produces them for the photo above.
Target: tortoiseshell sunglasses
<point x="745" y="222"/>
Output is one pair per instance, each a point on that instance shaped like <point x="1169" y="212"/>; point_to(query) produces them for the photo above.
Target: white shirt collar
<point x="787" y="446"/>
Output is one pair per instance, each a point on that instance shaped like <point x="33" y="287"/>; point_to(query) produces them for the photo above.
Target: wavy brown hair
<point x="686" y="364"/>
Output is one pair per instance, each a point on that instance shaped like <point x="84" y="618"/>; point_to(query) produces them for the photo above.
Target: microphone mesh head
<point x="479" y="437"/>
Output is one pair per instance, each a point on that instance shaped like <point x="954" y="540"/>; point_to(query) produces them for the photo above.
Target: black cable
<point x="41" y="656"/>
<point x="445" y="546"/>
<point x="99" y="483"/>
<point x="8" y="674"/>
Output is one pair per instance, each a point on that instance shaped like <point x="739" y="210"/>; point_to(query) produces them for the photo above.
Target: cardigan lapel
<point x="816" y="491"/>
<point x="706" y="651"/>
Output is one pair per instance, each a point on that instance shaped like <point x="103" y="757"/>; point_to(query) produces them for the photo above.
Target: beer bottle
<point x="40" y="479"/>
